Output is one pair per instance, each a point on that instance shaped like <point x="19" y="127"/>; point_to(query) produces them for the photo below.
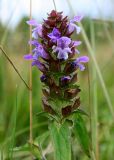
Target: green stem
<point x="94" y="118"/>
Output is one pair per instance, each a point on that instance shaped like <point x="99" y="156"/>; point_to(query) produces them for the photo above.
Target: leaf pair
<point x="61" y="137"/>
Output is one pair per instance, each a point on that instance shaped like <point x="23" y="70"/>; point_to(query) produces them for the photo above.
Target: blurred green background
<point x="14" y="96"/>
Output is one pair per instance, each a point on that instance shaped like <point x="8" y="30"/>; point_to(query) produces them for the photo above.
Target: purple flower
<point x="34" y="43"/>
<point x="62" y="48"/>
<point x="37" y="31"/>
<point x="72" y="26"/>
<point x="75" y="44"/>
<point x="39" y="65"/>
<point x="54" y="35"/>
<point x="78" y="61"/>
<point x="39" y="52"/>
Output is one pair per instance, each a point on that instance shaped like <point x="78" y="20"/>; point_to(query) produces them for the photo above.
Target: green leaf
<point x="60" y="134"/>
<point x="33" y="148"/>
<point x="36" y="151"/>
<point x="42" y="113"/>
<point x="22" y="148"/>
<point x="80" y="111"/>
<point x="81" y="133"/>
<point x="48" y="115"/>
<point x="42" y="138"/>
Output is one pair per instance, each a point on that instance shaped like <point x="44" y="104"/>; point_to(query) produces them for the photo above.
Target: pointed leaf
<point x="80" y="111"/>
<point x="81" y="133"/>
<point x="42" y="138"/>
<point x="60" y="134"/>
<point x="46" y="114"/>
<point x="22" y="148"/>
<point x="36" y="150"/>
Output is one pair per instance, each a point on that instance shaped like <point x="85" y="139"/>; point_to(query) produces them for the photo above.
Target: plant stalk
<point x="94" y="105"/>
<point x="30" y="77"/>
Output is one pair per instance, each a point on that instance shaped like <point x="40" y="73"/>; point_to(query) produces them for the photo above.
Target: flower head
<point x="55" y="54"/>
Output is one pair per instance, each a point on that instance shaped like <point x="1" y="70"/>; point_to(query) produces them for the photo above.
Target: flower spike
<point x="55" y="54"/>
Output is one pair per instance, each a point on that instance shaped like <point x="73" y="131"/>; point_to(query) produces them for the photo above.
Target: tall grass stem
<point x="30" y="77"/>
<point x="14" y="127"/>
<point x="94" y="117"/>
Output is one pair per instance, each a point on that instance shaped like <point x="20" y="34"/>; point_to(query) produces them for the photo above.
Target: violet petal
<point x="77" y="18"/>
<point x="54" y="35"/>
<point x="32" y="22"/>
<point x="81" y="66"/>
<point x="83" y="59"/>
<point x="76" y="43"/>
<point x="28" y="57"/>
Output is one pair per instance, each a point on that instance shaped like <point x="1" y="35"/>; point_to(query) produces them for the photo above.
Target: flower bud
<point x="43" y="78"/>
<point x="64" y="81"/>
